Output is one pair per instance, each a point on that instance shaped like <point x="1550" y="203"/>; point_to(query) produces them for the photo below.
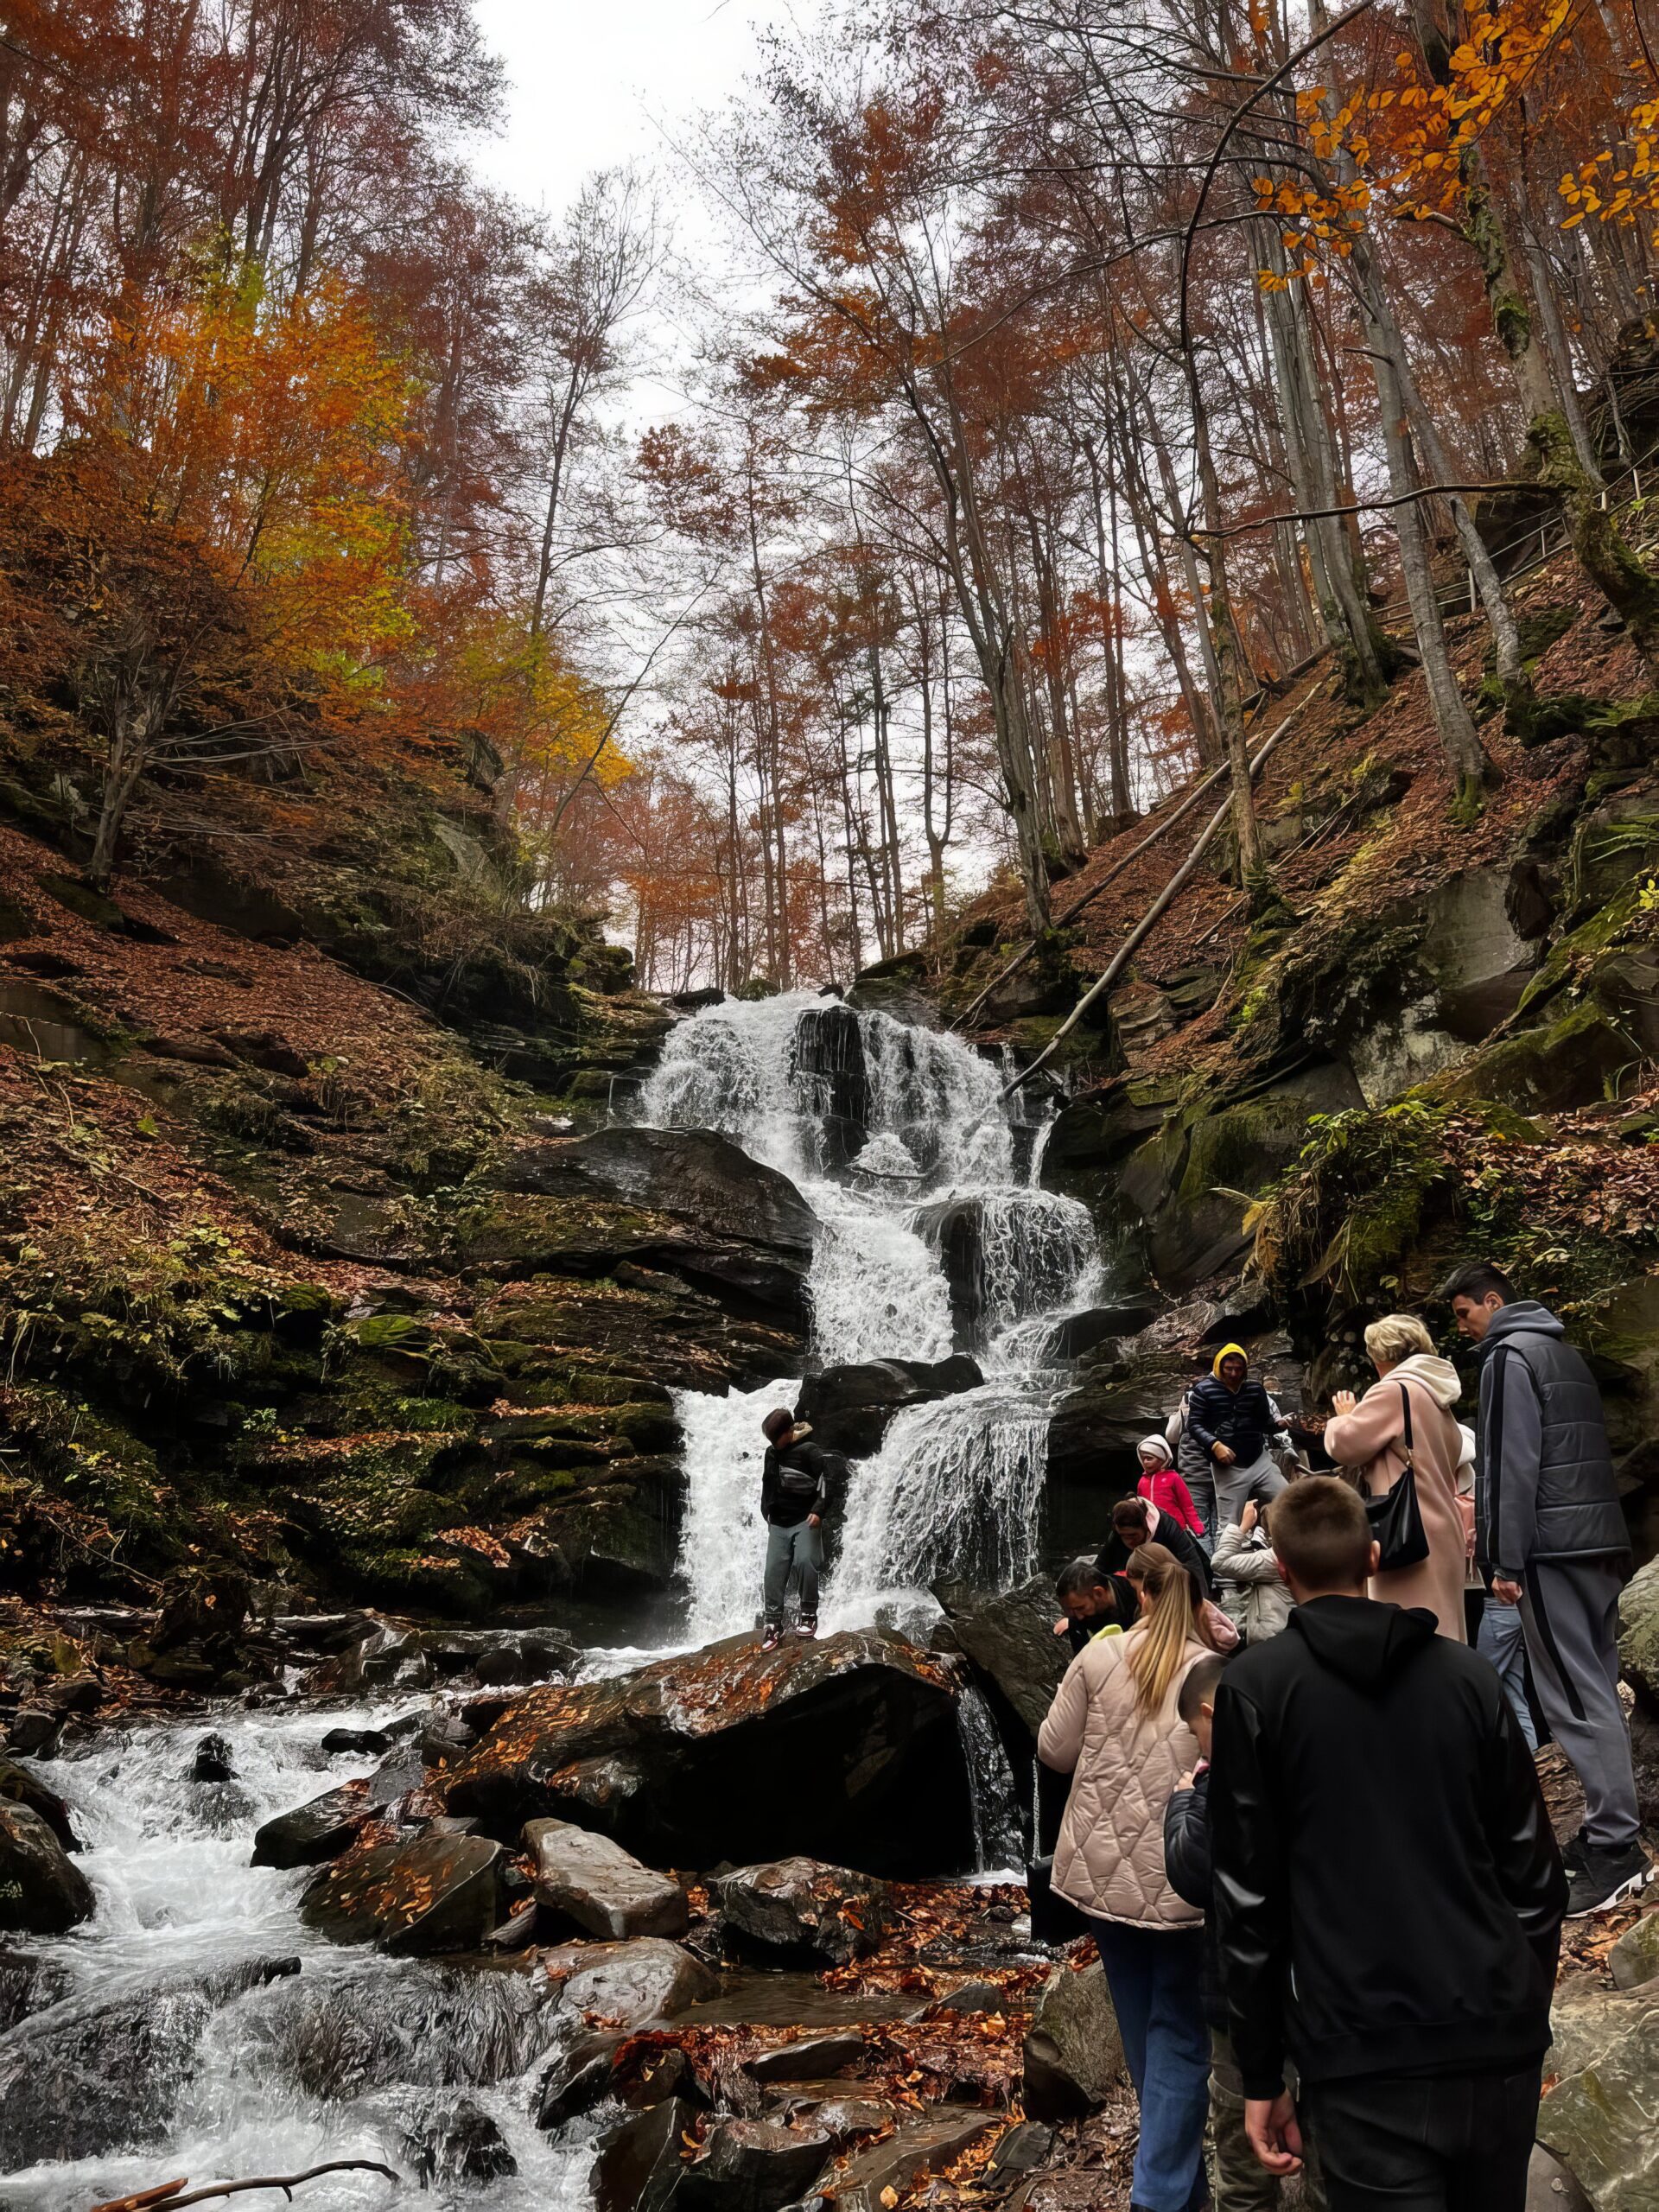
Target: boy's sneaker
<point x="806" y="1630"/>
<point x="1603" y="1878"/>
<point x="771" y="1639"/>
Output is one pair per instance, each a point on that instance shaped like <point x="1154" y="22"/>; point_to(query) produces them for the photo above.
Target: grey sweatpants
<point x="1569" y="1615"/>
<point x="1236" y="1485"/>
<point x="795" y="1552"/>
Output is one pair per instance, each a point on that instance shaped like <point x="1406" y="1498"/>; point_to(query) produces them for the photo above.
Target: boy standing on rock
<point x="794" y="1492"/>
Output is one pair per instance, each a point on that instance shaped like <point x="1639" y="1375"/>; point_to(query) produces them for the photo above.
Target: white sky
<point x="589" y="80"/>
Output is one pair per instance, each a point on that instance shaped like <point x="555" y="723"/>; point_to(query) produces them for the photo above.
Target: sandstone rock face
<point x="1600" y="2122"/>
<point x="729" y="1223"/>
<point x="1074" y="2055"/>
<point x="40" y="1892"/>
<point x="799" y="1904"/>
<point x="849" y="1406"/>
<point x="432" y="1893"/>
<point x="602" y="1887"/>
<point x="734" y="1753"/>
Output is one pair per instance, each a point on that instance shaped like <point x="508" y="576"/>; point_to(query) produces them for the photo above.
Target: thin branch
<point x="1359" y="507"/>
<point x="169" y="2192"/>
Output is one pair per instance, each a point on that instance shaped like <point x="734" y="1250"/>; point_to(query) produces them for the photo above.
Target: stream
<point x="884" y="1129"/>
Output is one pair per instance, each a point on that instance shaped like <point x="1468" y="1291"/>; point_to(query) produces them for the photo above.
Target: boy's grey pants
<point x="1569" y="1612"/>
<point x="792" y="1552"/>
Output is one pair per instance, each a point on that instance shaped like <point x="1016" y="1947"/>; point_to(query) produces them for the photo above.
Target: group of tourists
<point x="1303" y="1823"/>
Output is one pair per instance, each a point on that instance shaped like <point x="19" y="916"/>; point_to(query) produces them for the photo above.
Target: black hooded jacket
<point x="795" y="1482"/>
<point x="1388" y="1892"/>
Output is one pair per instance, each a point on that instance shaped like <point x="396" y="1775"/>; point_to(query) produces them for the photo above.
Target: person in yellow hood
<point x="1232" y="1421"/>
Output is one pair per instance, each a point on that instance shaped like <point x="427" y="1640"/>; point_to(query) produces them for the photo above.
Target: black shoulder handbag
<point x="1054" y="1919"/>
<point x="1396" y="1518"/>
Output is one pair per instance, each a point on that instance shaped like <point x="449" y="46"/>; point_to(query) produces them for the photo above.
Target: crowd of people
<point x="1303" y="1821"/>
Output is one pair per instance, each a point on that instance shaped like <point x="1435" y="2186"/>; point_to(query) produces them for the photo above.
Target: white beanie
<point x="1157" y="1448"/>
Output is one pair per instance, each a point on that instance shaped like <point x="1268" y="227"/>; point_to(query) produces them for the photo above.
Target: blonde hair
<point x="1395" y="1338"/>
<point x="1168" y="1624"/>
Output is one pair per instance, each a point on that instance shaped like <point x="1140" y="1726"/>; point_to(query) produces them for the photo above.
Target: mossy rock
<point x="1576" y="1060"/>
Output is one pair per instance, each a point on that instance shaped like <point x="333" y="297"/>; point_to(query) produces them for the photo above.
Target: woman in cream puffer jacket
<point x="1116" y="1726"/>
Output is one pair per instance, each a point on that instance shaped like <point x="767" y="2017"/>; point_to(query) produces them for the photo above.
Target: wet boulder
<point x="356" y="1743"/>
<point x="1006" y="1253"/>
<point x="578" y="2079"/>
<point x="28" y="1984"/>
<point x="432" y="1893"/>
<point x="825" y="1749"/>
<point x="315" y="1831"/>
<point x="809" y="2058"/>
<point x="832" y="1079"/>
<point x="1096" y="1326"/>
<point x="900" y="2162"/>
<point x="1074" y="2053"/>
<point x="212" y="1761"/>
<point x="430" y="2025"/>
<point x="850" y="1406"/>
<point x="40" y="1892"/>
<point x="457" y="2143"/>
<point x="798" y="1906"/>
<point x="102" y="2072"/>
<point x="627" y="1985"/>
<point x="641" y="2161"/>
<point x="586" y="1877"/>
<point x="1009" y="1639"/>
<point x="754" y="2165"/>
<point x="19" y="1786"/>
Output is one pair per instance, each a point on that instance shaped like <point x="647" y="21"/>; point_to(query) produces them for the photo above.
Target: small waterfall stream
<point x="936" y="1236"/>
<point x="354" y="2055"/>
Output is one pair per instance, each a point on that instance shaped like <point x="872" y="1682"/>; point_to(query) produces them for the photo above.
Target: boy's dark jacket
<point x="1388" y="1892"/>
<point x="1186" y="1862"/>
<point x="796" y="1481"/>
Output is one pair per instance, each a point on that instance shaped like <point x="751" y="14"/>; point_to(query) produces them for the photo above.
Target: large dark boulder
<point x="1091" y="1448"/>
<point x="641" y="2160"/>
<point x="850" y="1406"/>
<point x="736" y="1226"/>
<point x="102" y="2072"/>
<point x="585" y="1877"/>
<point x="1009" y="1639"/>
<point x="797" y="1906"/>
<point x="40" y="1892"/>
<point x="844" y="1750"/>
<point x="457" y="2143"/>
<point x="434" y="1893"/>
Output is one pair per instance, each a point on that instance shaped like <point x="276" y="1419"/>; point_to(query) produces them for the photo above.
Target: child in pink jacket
<point x="1160" y="1482"/>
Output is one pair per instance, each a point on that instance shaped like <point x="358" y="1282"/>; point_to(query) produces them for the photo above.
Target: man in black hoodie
<point x="1389" y="1895"/>
<point x="795" y="1481"/>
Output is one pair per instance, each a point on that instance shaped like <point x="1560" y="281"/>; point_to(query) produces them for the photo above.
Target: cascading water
<point x="160" y="2037"/>
<point x="935" y="1236"/>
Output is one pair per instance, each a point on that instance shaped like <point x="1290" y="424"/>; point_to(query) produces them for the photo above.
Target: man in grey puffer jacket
<point x="1549" y="1529"/>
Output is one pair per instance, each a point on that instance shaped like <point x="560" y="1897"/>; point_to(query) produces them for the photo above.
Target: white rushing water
<point x="353" y="2056"/>
<point x="935" y="1174"/>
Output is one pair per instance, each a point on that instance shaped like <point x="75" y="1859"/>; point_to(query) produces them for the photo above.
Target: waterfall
<point x="934" y="1236"/>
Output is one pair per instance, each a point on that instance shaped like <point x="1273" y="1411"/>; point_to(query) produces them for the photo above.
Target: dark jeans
<point x="1155" y="1978"/>
<point x="1452" y="2143"/>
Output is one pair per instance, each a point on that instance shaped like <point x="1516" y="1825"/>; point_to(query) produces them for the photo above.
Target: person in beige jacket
<point x="1115" y="1727"/>
<point x="1367" y="1440"/>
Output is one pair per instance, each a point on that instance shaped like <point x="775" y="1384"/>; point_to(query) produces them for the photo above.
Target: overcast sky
<point x="589" y="80"/>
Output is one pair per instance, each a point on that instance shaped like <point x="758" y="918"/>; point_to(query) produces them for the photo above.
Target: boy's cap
<point x="777" y="1425"/>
